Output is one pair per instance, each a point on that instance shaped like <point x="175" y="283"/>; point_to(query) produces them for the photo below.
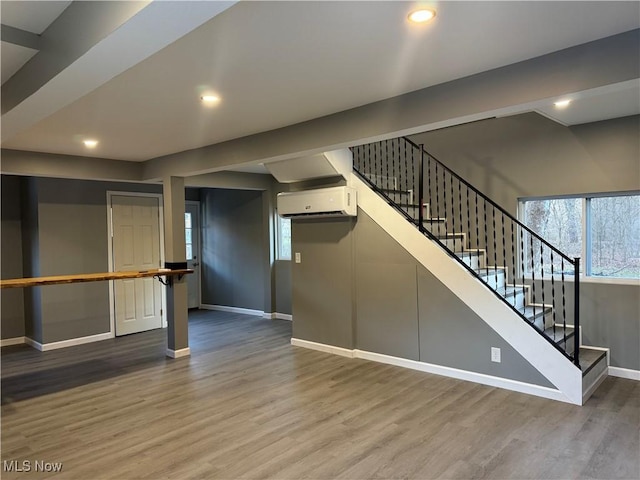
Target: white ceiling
<point x="279" y="63"/>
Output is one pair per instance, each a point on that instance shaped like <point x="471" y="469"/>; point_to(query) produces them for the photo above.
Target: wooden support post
<point x="175" y="257"/>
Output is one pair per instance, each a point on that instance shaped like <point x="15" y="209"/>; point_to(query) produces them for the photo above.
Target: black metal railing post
<point x="576" y="313"/>
<point x="421" y="191"/>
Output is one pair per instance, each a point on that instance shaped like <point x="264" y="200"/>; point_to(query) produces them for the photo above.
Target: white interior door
<point x="136" y="246"/>
<point x="192" y="240"/>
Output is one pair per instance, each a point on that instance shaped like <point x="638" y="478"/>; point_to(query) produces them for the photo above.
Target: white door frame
<point x="199" y="253"/>
<point x="112" y="296"/>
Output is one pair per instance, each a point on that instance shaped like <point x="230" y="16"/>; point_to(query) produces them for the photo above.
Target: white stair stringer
<point x="540" y="353"/>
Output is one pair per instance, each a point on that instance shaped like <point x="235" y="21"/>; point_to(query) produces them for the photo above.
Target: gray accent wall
<point x="322" y="296"/>
<point x="233" y="255"/>
<point x="356" y="287"/>
<point x="386" y="293"/>
<point x="64" y="227"/>
<point x="453" y="335"/>
<point x="11" y="300"/>
<point x="283" y="284"/>
<point x="531" y="156"/>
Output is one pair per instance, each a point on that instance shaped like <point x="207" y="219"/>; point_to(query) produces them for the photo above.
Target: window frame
<point x="586" y="253"/>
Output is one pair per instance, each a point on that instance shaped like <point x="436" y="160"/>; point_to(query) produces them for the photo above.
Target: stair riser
<point x="414" y="211"/>
<point x="455" y="244"/>
<point x="400" y="197"/>
<point x="516" y="299"/>
<point x="544" y="322"/>
<point x="495" y="280"/>
<point x="476" y="262"/>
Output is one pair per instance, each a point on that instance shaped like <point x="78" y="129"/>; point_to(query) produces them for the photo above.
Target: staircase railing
<point x="524" y="270"/>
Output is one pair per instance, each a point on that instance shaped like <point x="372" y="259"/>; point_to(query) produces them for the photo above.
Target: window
<point x="284" y="238"/>
<point x="614" y="233"/>
<point x="604" y="231"/>
<point x="188" y="235"/>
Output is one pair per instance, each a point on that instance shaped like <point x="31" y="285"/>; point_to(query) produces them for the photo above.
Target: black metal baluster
<point x="513" y="259"/>
<point x="468" y="221"/>
<point x="384" y="170"/>
<point x="437" y="200"/>
<point x="453" y="213"/>
<point x="460" y="215"/>
<point x="564" y="309"/>
<point x="429" y="181"/>
<point x="420" y="191"/>
<point x="576" y="313"/>
<point x="533" y="278"/>
<point x="542" y="282"/>
<point x="495" y="245"/>
<point x="504" y="254"/>
<point x="522" y="264"/>
<point x="486" y="240"/>
<point x="392" y="195"/>
<point x="406" y="175"/>
<point x="553" y="301"/>
<point x="444" y="202"/>
<point x="477" y="230"/>
<point x="372" y="166"/>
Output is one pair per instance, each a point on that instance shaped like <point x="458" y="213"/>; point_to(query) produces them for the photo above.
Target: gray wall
<point x="233" y="253"/>
<point x="11" y="300"/>
<point x="283" y="286"/>
<point x="64" y="231"/>
<point x="322" y="296"/>
<point x="529" y="155"/>
<point x="356" y="287"/>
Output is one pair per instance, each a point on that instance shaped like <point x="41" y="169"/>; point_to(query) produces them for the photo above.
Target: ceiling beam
<point x="89" y="44"/>
<point x="508" y="90"/>
<point x="21" y="38"/>
<point x="36" y="164"/>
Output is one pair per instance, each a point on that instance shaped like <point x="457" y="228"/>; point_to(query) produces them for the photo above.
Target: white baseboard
<point x="6" y="342"/>
<point x="67" y="343"/>
<point x="224" y="308"/>
<point x="183" y="352"/>
<point x="343" y="352"/>
<point x="507" y="384"/>
<point x="624" y="373"/>
<point x="278" y="316"/>
<point x="32" y="343"/>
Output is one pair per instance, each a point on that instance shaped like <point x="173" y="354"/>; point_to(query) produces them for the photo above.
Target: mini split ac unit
<point x="323" y="202"/>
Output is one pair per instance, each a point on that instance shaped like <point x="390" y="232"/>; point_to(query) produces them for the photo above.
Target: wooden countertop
<point x="89" y="277"/>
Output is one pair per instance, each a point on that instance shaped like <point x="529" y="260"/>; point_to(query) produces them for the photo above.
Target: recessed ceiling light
<point x="90" y="143"/>
<point x="210" y="99"/>
<point x="562" y="103"/>
<point x="421" y="16"/>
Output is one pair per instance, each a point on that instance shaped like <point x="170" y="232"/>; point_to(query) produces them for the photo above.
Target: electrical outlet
<point x="495" y="355"/>
<point x="298" y="257"/>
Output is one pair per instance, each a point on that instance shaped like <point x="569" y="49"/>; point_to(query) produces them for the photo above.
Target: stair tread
<point x="470" y="253"/>
<point x="394" y="190"/>
<point x="589" y="358"/>
<point x="490" y="272"/>
<point x="430" y="220"/>
<point x="559" y="335"/>
<point x="529" y="312"/>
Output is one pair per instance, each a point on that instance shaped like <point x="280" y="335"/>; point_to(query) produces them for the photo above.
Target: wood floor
<point x="248" y="405"/>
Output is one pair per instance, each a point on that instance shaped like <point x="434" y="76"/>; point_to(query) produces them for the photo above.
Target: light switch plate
<point x="298" y="257"/>
<point x="495" y="355"/>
